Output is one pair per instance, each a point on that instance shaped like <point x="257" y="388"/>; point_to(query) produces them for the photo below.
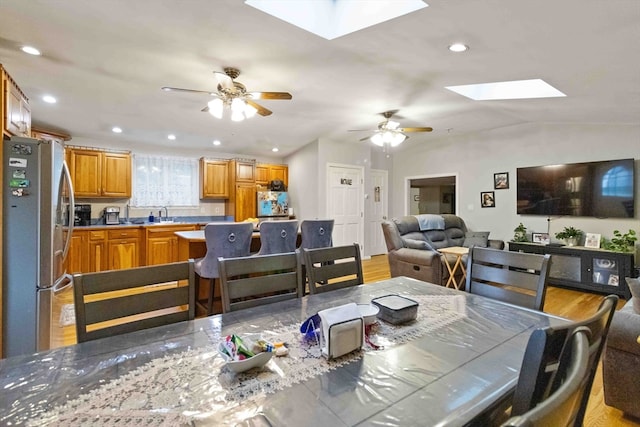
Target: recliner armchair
<point x="414" y="252"/>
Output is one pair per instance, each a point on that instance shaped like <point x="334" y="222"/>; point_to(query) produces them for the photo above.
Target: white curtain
<point x="165" y="181"/>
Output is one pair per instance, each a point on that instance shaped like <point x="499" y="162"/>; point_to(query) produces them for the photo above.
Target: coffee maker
<point x="81" y="215"/>
<point x="111" y="215"/>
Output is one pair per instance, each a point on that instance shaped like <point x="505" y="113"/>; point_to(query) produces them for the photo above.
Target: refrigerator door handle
<point x="72" y="208"/>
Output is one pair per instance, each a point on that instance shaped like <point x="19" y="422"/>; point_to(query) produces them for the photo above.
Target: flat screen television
<point x="602" y="189"/>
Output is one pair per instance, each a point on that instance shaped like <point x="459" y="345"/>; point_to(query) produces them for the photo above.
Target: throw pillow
<point x="634" y="287"/>
<point x="416" y="244"/>
<point x="476" y="238"/>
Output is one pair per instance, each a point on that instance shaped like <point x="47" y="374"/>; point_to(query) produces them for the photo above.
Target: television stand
<point x="587" y="269"/>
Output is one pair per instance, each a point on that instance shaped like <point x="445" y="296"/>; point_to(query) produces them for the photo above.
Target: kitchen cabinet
<point x="123" y="248"/>
<point x="162" y="244"/>
<point x="577" y="267"/>
<point x="97" y="173"/>
<point x="97" y="252"/>
<point x="245" y="171"/>
<point x="214" y="179"/>
<point x="266" y="173"/>
<point x="16" y="113"/>
<point x="241" y="203"/>
<point x="77" y="259"/>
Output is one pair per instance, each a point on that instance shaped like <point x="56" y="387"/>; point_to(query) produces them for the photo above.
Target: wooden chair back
<point x="539" y="371"/>
<point x="333" y="268"/>
<point x="513" y="277"/>
<point x="560" y="409"/>
<point x="261" y="279"/>
<point x="124" y="299"/>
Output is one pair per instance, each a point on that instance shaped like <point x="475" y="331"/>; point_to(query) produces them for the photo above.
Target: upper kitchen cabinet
<point x="214" y="179"/>
<point x="266" y="173"/>
<point x="46" y="135"/>
<point x="97" y="173"/>
<point x="16" y="114"/>
<point x="245" y="171"/>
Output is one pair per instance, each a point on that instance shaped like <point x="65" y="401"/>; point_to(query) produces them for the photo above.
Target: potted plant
<point x="621" y="242"/>
<point x="520" y="234"/>
<point x="570" y="235"/>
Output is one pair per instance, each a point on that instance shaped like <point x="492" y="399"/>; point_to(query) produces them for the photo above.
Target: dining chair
<point x="113" y="296"/>
<point x="261" y="279"/>
<point x="538" y="373"/>
<point x="333" y="268"/>
<point x="561" y="408"/>
<point x="223" y="239"/>
<point x="277" y="237"/>
<point x="514" y="277"/>
<point x="314" y="233"/>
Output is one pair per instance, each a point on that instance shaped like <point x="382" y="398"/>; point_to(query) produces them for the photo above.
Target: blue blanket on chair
<point x="430" y="222"/>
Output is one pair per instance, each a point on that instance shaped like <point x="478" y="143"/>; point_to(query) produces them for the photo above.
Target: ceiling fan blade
<point x="361" y="130"/>
<point x="366" y="138"/>
<point x="270" y="95"/>
<point x="177" y="89"/>
<point x="261" y="110"/>
<point x="223" y="80"/>
<point x="422" y="129"/>
<point x="205" y="109"/>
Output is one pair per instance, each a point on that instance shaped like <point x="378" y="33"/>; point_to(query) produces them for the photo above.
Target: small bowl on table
<point x="237" y="366"/>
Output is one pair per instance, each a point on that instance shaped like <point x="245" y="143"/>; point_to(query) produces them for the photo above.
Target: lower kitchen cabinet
<point x="123" y="249"/>
<point x="77" y="260"/>
<point x="97" y="250"/>
<point x="162" y="243"/>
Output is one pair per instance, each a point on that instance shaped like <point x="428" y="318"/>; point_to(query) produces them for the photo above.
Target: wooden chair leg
<point x="212" y="289"/>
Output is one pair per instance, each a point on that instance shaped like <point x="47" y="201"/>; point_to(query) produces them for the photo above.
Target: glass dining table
<point x="459" y="357"/>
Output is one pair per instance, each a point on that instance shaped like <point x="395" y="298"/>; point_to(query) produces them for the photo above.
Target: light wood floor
<point x="562" y="302"/>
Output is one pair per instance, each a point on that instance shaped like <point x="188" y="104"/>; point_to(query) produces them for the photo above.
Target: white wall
<point x="477" y="157"/>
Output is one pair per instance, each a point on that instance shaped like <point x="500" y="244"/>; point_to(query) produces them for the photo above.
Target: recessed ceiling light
<point x="171" y="137"/>
<point x="116" y="129"/>
<point x="458" y="47"/>
<point x="275" y="149"/>
<point x="332" y="19"/>
<point x="30" y="50"/>
<point x="517" y="89"/>
<point x="216" y="142"/>
<point x="49" y="99"/>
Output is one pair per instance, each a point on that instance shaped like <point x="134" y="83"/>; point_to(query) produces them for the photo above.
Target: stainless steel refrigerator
<point x="36" y="196"/>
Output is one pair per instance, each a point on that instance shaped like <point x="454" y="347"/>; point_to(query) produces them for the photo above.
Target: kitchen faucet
<point x="126" y="211"/>
<point x="166" y="213"/>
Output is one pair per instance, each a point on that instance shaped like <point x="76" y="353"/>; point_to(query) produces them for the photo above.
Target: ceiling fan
<point x="234" y="95"/>
<point x="389" y="132"/>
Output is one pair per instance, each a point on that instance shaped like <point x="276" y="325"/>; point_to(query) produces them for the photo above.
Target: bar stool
<point x="223" y="239"/>
<point x="277" y="237"/>
<point x="316" y="233"/>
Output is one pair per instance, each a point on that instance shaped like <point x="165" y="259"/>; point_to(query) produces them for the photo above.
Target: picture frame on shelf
<point x="542" y="238"/>
<point x="488" y="199"/>
<point x="501" y="180"/>
<point x="592" y="240"/>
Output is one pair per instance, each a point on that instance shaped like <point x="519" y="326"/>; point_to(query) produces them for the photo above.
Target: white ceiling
<point x="105" y="61"/>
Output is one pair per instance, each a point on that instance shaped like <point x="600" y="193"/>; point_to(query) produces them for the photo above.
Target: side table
<point x="458" y="251"/>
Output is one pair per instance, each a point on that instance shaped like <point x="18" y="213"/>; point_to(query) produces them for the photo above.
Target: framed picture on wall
<point x="501" y="180"/>
<point x="488" y="199"/>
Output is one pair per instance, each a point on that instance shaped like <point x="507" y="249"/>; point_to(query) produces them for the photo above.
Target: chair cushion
<point x="634" y="287"/>
<point x="476" y="238"/>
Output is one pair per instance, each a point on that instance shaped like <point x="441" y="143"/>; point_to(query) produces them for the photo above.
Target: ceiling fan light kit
<point x="389" y="132"/>
<point x="234" y="96"/>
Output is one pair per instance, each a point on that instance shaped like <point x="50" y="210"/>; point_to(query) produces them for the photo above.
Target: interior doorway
<point x="431" y="194"/>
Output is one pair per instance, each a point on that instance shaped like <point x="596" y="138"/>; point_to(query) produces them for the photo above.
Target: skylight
<point x="331" y="19"/>
<point x="517" y="89"/>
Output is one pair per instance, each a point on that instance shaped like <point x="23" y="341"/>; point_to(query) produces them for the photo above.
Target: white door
<point x="378" y="202"/>
<point x="345" y="204"/>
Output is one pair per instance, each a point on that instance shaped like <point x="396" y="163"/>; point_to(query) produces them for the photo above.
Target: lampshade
<point x="239" y="109"/>
<point x="215" y="107"/>
<point x="391" y="137"/>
